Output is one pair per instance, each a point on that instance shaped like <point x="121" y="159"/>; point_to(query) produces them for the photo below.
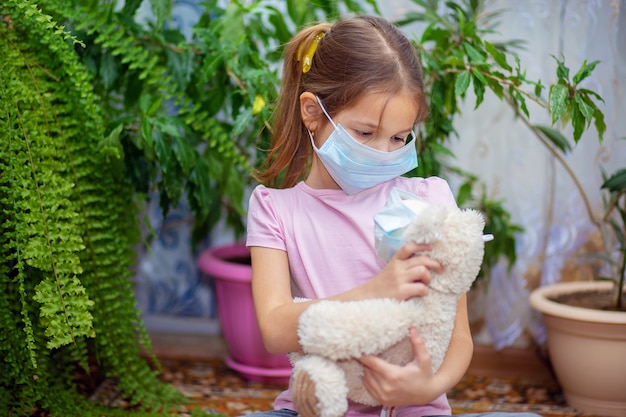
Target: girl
<point x="352" y="93"/>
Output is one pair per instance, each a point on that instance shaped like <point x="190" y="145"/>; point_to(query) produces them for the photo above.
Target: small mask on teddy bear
<point x="334" y="334"/>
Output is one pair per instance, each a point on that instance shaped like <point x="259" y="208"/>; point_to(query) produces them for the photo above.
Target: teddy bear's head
<point x="457" y="242"/>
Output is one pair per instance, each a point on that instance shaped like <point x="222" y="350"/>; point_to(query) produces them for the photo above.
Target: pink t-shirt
<point x="329" y="239"/>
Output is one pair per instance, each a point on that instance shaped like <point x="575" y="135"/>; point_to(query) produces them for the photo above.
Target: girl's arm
<point x="403" y="277"/>
<point x="276" y="312"/>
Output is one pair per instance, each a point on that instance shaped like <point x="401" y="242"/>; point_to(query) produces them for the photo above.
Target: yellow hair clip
<point x="307" y="58"/>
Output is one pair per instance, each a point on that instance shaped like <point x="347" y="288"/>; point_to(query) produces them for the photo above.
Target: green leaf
<point x="146" y="132"/>
<point x="479" y="89"/>
<point x="161" y="10"/>
<point x="497" y="89"/>
<point x="172" y="182"/>
<point x="145" y="104"/>
<point x="617" y="182"/>
<point x="453" y="61"/>
<point x="586" y="110"/>
<point x="578" y="122"/>
<point x="233" y="28"/>
<point x="591" y="93"/>
<point x="111" y="143"/>
<point x="297" y="10"/>
<point x="163" y="151"/>
<point x="555" y="137"/>
<point x="64" y="310"/>
<point x="558" y="101"/>
<point x="242" y="122"/>
<point x="464" y="194"/>
<point x="521" y="102"/>
<point x="598" y="118"/>
<point x="584" y="71"/>
<point x="202" y="191"/>
<point x="185" y="154"/>
<point x="109" y="70"/>
<point x="475" y="56"/>
<point x="462" y="83"/>
<point x="130" y="7"/>
<point x="477" y="74"/>
<point x="538" y="88"/>
<point x="181" y="65"/>
<point x="562" y="72"/>
<point x="497" y="55"/>
<point x="281" y="30"/>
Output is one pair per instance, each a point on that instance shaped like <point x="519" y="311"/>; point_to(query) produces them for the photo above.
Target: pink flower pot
<point x="229" y="266"/>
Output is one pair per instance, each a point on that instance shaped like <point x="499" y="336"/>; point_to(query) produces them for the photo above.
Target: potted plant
<point x="456" y="56"/>
<point x="586" y="320"/>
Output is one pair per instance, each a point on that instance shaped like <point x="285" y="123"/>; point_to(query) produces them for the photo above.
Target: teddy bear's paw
<point x="319" y="388"/>
<point x="304" y="395"/>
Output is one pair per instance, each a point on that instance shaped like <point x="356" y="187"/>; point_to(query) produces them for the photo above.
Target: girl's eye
<point x="363" y="134"/>
<point x="399" y="139"/>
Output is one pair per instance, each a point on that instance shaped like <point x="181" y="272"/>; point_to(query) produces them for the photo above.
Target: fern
<point x="69" y="225"/>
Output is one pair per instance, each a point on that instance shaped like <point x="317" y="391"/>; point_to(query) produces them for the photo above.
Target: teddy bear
<point x="334" y="334"/>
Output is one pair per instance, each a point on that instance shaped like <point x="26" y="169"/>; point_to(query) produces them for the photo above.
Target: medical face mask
<point x="356" y="167"/>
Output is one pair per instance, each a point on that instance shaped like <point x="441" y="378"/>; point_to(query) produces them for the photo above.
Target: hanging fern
<point x="68" y="227"/>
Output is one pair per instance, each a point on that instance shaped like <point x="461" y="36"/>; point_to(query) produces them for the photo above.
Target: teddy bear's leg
<point x="319" y="388"/>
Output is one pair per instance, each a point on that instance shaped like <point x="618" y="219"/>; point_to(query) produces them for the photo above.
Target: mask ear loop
<point x="325" y="112"/>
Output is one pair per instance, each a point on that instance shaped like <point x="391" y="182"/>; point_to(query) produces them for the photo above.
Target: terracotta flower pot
<point x="587" y="349"/>
<point x="229" y="266"/>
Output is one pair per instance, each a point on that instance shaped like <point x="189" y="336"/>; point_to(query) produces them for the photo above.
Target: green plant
<point x="191" y="115"/>
<point x="456" y="55"/>
<point x="568" y="102"/>
<point x="94" y="116"/>
<point x="68" y="226"/>
<point x="454" y="52"/>
<point x="614" y="221"/>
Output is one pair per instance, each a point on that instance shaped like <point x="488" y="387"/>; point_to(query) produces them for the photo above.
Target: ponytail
<point x="288" y="156"/>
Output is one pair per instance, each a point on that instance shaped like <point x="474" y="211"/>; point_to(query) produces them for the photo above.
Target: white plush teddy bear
<point x="334" y="334"/>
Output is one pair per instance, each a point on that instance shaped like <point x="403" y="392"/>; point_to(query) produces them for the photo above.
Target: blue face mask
<point x="356" y="167"/>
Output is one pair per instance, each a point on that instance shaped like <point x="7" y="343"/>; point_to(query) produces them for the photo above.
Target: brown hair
<point x="357" y="56"/>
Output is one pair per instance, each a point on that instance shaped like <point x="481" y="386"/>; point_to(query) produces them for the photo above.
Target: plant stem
<point x="560" y="159"/>
<point x="622" y="270"/>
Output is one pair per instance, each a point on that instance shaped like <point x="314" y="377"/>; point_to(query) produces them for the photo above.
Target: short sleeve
<point x="264" y="227"/>
<point x="435" y="190"/>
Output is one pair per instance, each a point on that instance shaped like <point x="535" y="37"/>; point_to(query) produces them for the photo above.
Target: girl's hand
<point x="393" y="385"/>
<point x="407" y="274"/>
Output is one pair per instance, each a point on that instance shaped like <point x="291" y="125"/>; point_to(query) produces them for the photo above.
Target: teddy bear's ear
<point x="427" y="225"/>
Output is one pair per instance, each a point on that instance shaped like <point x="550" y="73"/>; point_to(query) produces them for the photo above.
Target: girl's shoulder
<point x="273" y="197"/>
<point x="263" y="192"/>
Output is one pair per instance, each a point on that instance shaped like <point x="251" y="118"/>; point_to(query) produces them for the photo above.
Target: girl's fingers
<point x="409" y="249"/>
<point x="421" y="355"/>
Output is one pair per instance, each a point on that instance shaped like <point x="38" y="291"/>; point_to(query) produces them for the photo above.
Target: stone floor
<point x="508" y="380"/>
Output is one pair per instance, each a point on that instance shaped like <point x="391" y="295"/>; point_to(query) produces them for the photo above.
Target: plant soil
<point x="597" y="300"/>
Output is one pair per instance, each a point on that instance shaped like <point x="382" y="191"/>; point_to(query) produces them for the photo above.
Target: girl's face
<point x="376" y="120"/>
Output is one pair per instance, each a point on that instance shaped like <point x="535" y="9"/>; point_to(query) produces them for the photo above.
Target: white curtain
<point x="537" y="191"/>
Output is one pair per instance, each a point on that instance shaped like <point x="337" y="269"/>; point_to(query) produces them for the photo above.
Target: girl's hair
<point x="356" y="56"/>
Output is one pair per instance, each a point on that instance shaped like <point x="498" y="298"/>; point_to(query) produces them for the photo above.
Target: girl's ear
<point x="310" y="111"/>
